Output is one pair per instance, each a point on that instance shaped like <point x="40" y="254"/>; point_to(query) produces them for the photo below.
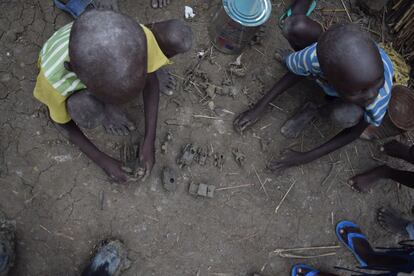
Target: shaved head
<point x="346" y="51"/>
<point x="108" y="52"/>
<point x="351" y="61"/>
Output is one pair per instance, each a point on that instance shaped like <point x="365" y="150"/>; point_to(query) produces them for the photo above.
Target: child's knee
<point x="85" y="110"/>
<point x="179" y="35"/>
<point x="346" y="115"/>
<point x="294" y="26"/>
<point x="301" y="31"/>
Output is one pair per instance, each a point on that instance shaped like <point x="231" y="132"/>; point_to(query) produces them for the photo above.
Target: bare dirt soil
<point x="63" y="204"/>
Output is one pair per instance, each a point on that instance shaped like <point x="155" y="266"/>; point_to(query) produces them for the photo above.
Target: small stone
<point x="211" y="105"/>
<point x="211" y="91"/>
<point x="210" y="191"/>
<point x="202" y="190"/>
<point x="169" y="179"/>
<point x="193" y="188"/>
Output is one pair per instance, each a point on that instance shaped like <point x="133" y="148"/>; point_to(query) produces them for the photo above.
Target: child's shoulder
<point x="56" y="40"/>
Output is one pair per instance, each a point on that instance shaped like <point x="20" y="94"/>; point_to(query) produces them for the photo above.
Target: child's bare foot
<point x="168" y="83"/>
<point x="116" y="122"/>
<point x="159" y="3"/>
<point x="295" y="125"/>
<point x="397" y="150"/>
<point x="364" y="182"/>
<point x="391" y="221"/>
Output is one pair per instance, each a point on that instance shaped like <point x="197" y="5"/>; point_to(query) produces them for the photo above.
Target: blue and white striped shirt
<point x="305" y="63"/>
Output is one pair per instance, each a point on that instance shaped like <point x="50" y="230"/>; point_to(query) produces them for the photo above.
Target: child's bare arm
<point x="342" y="139"/>
<point x="151" y="97"/>
<point x="111" y="166"/>
<point x="249" y="117"/>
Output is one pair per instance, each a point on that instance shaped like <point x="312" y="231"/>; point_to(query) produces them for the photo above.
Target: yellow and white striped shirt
<point x="55" y="84"/>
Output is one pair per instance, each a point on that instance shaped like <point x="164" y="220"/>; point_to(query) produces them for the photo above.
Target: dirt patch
<point x="63" y="204"/>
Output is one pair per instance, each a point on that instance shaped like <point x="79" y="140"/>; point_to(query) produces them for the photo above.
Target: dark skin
<point x="301" y="32"/>
<point x="369" y="255"/>
<point x="365" y="181"/>
<point x="393" y="221"/>
<point x="159" y="3"/>
<point x="112" y="167"/>
<point x="365" y="251"/>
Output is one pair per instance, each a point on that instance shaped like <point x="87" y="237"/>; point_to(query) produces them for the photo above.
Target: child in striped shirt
<point x="355" y="74"/>
<point x="102" y="60"/>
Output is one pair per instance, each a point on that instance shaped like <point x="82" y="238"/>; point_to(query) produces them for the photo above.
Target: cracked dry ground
<point x="54" y="193"/>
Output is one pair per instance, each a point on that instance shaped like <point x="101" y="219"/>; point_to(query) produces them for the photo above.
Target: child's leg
<point x="364" y="250"/>
<point x="343" y="114"/>
<point x="399" y="150"/>
<point x="88" y="112"/>
<point x="364" y="182"/>
<point x="403" y="177"/>
<point x="395" y="222"/>
<point x="301" y="31"/>
<point x="173" y="36"/>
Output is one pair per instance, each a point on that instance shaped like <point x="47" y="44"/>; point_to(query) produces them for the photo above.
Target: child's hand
<point x="294" y="158"/>
<point x="113" y="168"/>
<point x="245" y="120"/>
<point x="146" y="160"/>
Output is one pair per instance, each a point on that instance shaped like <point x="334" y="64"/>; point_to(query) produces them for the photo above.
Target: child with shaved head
<point x="354" y="73"/>
<point x="102" y="60"/>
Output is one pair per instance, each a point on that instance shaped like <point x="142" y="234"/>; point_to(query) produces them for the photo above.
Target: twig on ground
<point x="284" y="197"/>
<point x="234" y="187"/>
<point x="298" y="256"/>
<point x="349" y="161"/>
<point x="332" y="10"/>
<point x="275" y="106"/>
<point x="260" y="52"/>
<point x="261" y="183"/>
<point x="286" y="253"/>
<point x="329" y="174"/>
<point x="44" y="228"/>
<point x="372" y="31"/>
<point x="330" y="185"/>
<point x="317" y="129"/>
<point x="346" y="10"/>
<point x="266" y="126"/>
<point x="206" y="117"/>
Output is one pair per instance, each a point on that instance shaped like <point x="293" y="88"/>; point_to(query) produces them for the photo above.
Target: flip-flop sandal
<point x="288" y="13"/>
<point x="312" y="271"/>
<point x="74" y="7"/>
<point x="350" y="237"/>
